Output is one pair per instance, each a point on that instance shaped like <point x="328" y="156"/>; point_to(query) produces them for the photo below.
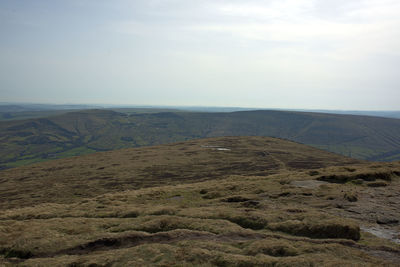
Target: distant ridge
<point x="76" y="133"/>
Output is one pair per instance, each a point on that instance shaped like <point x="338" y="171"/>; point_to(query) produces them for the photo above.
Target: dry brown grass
<point x="73" y="179"/>
<point x="236" y="220"/>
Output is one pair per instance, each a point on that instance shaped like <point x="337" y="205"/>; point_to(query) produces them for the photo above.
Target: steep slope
<point x="229" y="201"/>
<point x="78" y="133"/>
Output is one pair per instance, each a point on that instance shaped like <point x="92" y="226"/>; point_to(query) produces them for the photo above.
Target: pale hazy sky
<point x="326" y="54"/>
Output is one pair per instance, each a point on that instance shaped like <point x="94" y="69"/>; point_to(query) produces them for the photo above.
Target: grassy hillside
<point x="83" y="132"/>
<point x="133" y="168"/>
<point x="237" y="201"/>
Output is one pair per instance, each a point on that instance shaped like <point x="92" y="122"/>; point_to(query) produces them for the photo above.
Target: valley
<point x="83" y="132"/>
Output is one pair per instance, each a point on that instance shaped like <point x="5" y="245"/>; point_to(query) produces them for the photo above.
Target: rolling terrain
<point x="227" y="201"/>
<point x="134" y="168"/>
<point x="26" y="141"/>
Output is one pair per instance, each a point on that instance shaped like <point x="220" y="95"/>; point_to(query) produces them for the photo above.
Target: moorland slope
<point x="229" y="201"/>
<point x="134" y="168"/>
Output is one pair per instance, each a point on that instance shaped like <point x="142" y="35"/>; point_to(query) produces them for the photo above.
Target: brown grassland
<point x="230" y="201"/>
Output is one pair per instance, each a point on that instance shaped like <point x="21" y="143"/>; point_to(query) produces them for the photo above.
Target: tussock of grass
<point x="377" y="184"/>
<point x="334" y="228"/>
<point x="212" y="195"/>
<point x="163" y="211"/>
<point x="276" y="248"/>
<point x="351" y="196"/>
<point x="250" y="222"/>
<point x="250" y="219"/>
<point x="164" y="223"/>
<point x="366" y="176"/>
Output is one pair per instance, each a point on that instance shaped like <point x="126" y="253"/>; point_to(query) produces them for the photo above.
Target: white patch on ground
<point x="217" y="148"/>
<point x="382" y="233"/>
<point x="308" y="183"/>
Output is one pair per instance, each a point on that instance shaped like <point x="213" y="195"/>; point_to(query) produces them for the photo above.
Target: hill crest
<point x="133" y="168"/>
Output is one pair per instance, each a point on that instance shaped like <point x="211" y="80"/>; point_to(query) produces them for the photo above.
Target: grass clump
<point x="212" y="195"/>
<point x="351" y="196"/>
<point x="165" y="223"/>
<point x="333" y="228"/>
<point x="365" y="176"/>
<point x="377" y="184"/>
<point x="313" y="173"/>
<point x="163" y="211"/>
<point x="241" y="260"/>
<point x="275" y="248"/>
<point x="130" y="214"/>
<point x="247" y="221"/>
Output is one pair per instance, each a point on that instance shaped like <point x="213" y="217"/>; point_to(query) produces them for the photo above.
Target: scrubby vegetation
<point x="235" y="217"/>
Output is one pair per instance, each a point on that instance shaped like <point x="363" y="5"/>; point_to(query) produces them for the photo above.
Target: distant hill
<point x="386" y="114"/>
<point x="82" y="132"/>
<point x="9" y="113"/>
<point x="21" y="107"/>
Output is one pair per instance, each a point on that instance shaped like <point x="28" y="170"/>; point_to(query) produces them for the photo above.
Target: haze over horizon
<point x="304" y="54"/>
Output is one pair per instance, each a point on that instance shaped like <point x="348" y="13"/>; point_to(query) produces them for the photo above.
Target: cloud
<point x="287" y="21"/>
<point x="267" y="10"/>
<point x="239" y="48"/>
<point x="289" y="32"/>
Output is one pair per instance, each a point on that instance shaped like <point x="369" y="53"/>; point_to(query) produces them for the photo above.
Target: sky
<point x="308" y="54"/>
